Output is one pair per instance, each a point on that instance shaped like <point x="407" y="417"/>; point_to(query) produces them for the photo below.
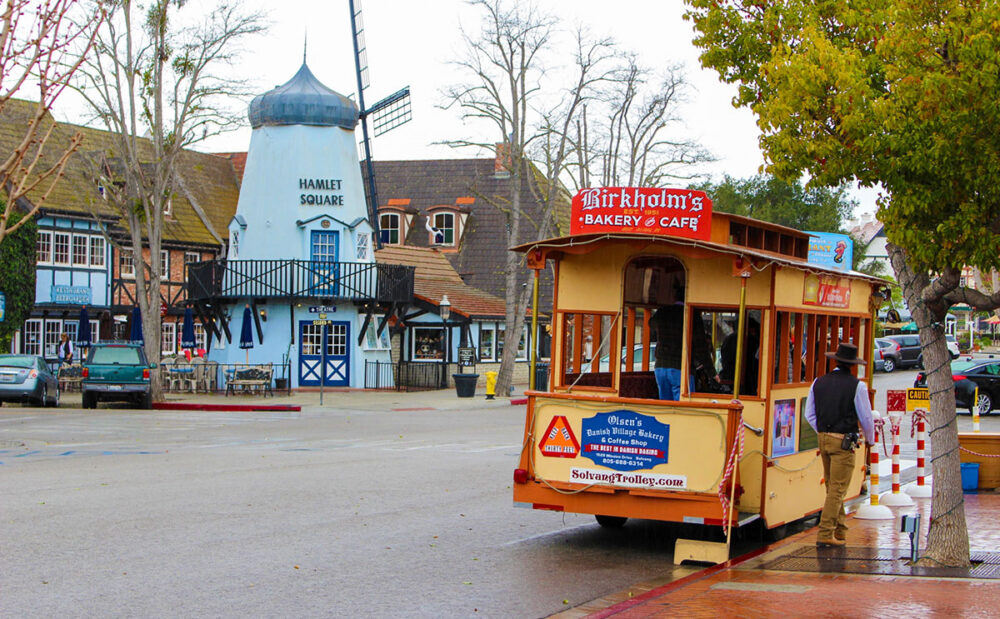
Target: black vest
<point x="833" y="396"/>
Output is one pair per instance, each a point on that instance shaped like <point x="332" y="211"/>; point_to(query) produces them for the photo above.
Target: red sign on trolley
<point x="647" y="210"/>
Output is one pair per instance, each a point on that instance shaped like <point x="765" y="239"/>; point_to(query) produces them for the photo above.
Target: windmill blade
<point x="360" y="49"/>
<point x="390" y="112"/>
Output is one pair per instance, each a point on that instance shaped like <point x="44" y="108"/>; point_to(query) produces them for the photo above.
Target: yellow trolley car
<point x="757" y="320"/>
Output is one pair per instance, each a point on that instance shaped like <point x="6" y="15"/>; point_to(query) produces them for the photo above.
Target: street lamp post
<point x="444" y="310"/>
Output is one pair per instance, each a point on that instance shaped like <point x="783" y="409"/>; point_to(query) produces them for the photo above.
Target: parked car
<point x="26" y="378"/>
<point x="910" y="353"/>
<point x="116" y="373"/>
<point x="952" y="346"/>
<point x="968" y="375"/>
<point x="886" y="354"/>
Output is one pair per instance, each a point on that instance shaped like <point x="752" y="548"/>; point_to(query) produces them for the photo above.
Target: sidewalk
<point x="870" y="577"/>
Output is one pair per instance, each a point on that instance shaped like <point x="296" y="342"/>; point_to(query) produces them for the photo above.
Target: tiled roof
<point x="434" y="277"/>
<point x="208" y="180"/>
<point x="481" y="257"/>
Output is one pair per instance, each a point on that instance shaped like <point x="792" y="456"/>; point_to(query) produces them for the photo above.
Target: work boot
<point x="830" y="543"/>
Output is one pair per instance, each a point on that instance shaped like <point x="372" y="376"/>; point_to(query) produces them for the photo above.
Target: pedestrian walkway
<point x="870" y="577"/>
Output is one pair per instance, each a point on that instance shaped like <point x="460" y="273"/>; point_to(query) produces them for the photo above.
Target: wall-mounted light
<point x="263" y="314"/>
<point x="444" y="309"/>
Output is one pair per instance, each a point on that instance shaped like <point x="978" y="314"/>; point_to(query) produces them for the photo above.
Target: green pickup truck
<point x="116" y="373"/>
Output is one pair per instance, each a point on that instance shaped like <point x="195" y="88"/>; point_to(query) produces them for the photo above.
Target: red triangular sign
<point x="559" y="441"/>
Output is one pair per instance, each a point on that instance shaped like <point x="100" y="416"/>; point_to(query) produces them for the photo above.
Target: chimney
<point x="501" y="164"/>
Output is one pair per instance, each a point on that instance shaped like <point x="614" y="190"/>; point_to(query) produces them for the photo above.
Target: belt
<point x="834" y="434"/>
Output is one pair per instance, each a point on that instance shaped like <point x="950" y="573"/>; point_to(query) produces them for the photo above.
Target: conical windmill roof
<point x="303" y="100"/>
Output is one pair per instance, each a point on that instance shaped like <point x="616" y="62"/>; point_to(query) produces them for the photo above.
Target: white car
<point x="952" y="346"/>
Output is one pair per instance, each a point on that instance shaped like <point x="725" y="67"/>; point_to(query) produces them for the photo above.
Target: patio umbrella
<point x="83" y="337"/>
<point x="993" y="320"/>
<point x="246" y="332"/>
<point x="187" y="330"/>
<point x="136" y="326"/>
<point x="909" y="327"/>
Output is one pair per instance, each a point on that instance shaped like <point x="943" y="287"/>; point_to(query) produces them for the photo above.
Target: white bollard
<point x="920" y="490"/>
<point x="872" y="510"/>
<point x="894" y="497"/>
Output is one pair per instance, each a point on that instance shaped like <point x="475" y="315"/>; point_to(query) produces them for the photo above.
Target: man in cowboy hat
<point x="837" y="403"/>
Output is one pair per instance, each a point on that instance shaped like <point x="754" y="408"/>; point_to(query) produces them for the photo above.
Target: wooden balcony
<point x="300" y="279"/>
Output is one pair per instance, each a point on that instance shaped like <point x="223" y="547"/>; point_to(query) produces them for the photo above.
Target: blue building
<point x="301" y="252"/>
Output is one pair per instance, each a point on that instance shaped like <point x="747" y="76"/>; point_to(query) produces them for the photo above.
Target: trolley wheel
<point x="611" y="522"/>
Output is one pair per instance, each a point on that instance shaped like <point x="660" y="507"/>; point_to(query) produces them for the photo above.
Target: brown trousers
<point x="838" y="467"/>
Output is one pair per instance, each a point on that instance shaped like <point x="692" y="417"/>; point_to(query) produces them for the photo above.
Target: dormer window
<point x="389" y="228"/>
<point x="444" y="229"/>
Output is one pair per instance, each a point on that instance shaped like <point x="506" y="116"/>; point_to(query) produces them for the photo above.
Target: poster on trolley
<point x="682" y="213"/>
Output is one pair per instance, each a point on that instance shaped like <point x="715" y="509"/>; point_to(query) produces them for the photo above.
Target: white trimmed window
<point x="372" y="340"/>
<point x="60" y="247"/>
<point x="43" y="254"/>
<point x="80" y="247"/>
<point x="165" y="264"/>
<point x="389" y="228"/>
<point x="53" y="329"/>
<point x="192" y="256"/>
<point x="445" y="224"/>
<point x="97" y="251"/>
<point x="168" y="338"/>
<point x="95" y="331"/>
<point x="427" y="344"/>
<point x="487" y="342"/>
<point x="126" y="263"/>
<point x="32" y="337"/>
<point x="199" y="337"/>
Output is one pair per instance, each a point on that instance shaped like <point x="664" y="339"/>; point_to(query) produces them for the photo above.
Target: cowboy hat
<point x="846" y="353"/>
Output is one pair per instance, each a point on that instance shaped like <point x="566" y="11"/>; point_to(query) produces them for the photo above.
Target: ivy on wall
<point x="17" y="277"/>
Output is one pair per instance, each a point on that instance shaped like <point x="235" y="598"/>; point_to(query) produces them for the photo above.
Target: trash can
<point x="465" y="384"/>
<point x="541" y="376"/>
<point x="970" y="476"/>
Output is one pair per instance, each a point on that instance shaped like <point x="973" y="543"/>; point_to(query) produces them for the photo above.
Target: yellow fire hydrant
<point x="491" y="385"/>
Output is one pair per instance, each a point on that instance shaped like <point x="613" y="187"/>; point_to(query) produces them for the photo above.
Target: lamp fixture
<point x="444" y="309"/>
<point x="263" y="314"/>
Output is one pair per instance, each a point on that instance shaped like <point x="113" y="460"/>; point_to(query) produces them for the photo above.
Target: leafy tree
<point x="17" y="277"/>
<point x="150" y="75"/>
<point x="899" y="93"/>
<point x="40" y="49"/>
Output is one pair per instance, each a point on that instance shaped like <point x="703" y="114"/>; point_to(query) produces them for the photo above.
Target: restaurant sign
<point x="826" y="291"/>
<point x="643" y="210"/>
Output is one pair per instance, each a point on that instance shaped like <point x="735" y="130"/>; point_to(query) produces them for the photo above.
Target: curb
<point x="191" y="406"/>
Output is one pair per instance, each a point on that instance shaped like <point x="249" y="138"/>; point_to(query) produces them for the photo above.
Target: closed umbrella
<point x="83" y="337"/>
<point x="246" y="332"/>
<point x="187" y="330"/>
<point x="137" y="326"/>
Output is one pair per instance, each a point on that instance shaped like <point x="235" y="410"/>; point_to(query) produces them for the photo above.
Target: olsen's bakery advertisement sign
<point x="646" y="210"/>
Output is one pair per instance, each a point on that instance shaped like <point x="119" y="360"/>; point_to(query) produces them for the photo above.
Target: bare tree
<point x="150" y="76"/>
<point x="42" y="44"/>
<point x="530" y="109"/>
<point x="638" y="139"/>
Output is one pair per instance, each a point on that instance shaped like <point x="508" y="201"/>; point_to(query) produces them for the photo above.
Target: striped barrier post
<point x="872" y="510"/>
<point x="895" y="497"/>
<point x="975" y="411"/>
<point x="922" y="490"/>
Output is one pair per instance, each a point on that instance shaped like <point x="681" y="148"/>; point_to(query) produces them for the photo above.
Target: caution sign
<point x="917" y="399"/>
<point x="559" y="441"/>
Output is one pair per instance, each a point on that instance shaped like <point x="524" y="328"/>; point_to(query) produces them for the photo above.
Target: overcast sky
<point x="410" y="42"/>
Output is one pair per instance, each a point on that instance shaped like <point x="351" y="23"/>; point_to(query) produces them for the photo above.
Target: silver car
<point x="26" y="378"/>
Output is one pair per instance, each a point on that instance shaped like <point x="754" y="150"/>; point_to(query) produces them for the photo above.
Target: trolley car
<point x="757" y="318"/>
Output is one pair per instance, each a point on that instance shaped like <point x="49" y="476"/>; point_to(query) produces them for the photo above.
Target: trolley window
<point x="802" y="340"/>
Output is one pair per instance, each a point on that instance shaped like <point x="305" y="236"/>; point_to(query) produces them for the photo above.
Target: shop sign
<point x="71" y="295"/>
<point x="834" y="251"/>
<point x="826" y="291"/>
<point x="319" y="192"/>
<point x="643" y="210"/>
<point x="625" y="440"/>
<point x="466" y="356"/>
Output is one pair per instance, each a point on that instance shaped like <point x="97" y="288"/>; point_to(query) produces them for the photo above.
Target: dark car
<point x="910" y="353"/>
<point x="886" y="354"/>
<point x="983" y="374"/>
<point x="116" y="373"/>
<point x="26" y="378"/>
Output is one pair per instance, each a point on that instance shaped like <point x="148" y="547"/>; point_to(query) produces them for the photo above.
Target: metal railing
<point x="403" y="375"/>
<point x="357" y="281"/>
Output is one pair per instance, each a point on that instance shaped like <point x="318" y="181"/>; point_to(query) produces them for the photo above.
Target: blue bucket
<point x="970" y="476"/>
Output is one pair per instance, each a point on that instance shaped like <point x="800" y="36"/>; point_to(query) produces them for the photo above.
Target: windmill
<point x="385" y="115"/>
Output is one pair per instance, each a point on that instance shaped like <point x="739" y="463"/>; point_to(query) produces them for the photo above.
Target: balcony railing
<point x="352" y="281"/>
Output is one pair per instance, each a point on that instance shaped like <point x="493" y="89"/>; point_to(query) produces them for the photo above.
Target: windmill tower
<point x="385" y="115"/>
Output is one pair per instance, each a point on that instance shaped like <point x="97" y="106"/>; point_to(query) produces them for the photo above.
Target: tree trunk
<point x="948" y="535"/>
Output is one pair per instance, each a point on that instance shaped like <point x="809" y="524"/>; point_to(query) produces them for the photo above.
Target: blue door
<point x="324" y="353"/>
<point x="324" y="249"/>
